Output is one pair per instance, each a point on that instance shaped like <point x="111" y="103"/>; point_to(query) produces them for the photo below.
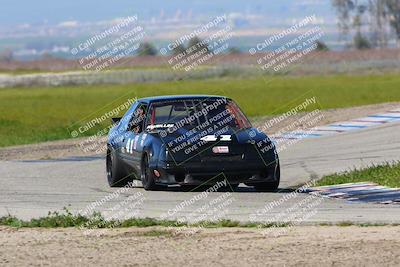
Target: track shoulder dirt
<point x="298" y="246"/>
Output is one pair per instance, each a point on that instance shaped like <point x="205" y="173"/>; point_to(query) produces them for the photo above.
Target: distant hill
<point x="54" y="12"/>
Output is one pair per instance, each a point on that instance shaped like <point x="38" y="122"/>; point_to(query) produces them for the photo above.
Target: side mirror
<point x="115" y="120"/>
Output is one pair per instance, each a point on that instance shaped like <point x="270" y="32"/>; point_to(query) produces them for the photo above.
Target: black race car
<point x="189" y="140"/>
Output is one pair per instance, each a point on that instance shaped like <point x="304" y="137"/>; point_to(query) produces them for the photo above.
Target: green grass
<point x="387" y="175"/>
<point x="31" y="115"/>
<point x="96" y="220"/>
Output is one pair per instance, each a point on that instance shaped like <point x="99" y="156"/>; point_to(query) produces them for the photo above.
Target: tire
<point x="116" y="176"/>
<point x="146" y="175"/>
<point x="270" y="186"/>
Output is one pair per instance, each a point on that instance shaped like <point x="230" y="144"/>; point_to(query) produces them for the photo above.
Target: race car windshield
<point x="197" y="113"/>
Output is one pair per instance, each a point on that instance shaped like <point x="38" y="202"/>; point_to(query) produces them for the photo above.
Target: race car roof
<point x="178" y="97"/>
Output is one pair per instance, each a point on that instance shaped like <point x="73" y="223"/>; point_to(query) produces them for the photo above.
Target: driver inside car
<point x="138" y="121"/>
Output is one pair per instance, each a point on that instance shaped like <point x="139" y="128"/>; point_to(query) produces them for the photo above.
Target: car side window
<point x="125" y="120"/>
<point x="136" y="123"/>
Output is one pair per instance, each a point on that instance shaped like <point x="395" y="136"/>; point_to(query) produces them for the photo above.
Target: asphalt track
<point x="33" y="188"/>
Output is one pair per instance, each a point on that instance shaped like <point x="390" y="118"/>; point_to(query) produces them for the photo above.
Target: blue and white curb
<point x="341" y="127"/>
<point x="359" y="192"/>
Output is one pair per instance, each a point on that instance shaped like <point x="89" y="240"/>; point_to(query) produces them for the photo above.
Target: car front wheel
<point x="147" y="175"/>
<point x="116" y="177"/>
<point x="270" y="186"/>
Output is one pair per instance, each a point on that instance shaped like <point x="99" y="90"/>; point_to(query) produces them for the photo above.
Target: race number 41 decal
<point x="132" y="144"/>
<point x="129" y="146"/>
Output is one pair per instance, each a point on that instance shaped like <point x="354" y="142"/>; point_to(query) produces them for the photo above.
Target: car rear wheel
<point x="116" y="177"/>
<point x="147" y="175"/>
<point x="270" y="186"/>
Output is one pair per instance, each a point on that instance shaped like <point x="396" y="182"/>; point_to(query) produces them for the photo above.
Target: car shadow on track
<point x="241" y="189"/>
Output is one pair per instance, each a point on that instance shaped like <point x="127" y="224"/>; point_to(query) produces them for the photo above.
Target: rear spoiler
<point x="116" y="120"/>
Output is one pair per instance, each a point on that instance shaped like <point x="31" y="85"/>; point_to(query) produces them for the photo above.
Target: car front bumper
<point x="203" y="173"/>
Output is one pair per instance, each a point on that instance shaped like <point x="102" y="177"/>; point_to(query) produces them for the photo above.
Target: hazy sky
<point x="55" y="11"/>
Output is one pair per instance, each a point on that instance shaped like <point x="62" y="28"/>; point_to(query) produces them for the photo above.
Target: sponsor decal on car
<point x="220" y="149"/>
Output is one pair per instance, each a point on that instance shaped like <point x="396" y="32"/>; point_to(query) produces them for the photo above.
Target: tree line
<point x="368" y="23"/>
